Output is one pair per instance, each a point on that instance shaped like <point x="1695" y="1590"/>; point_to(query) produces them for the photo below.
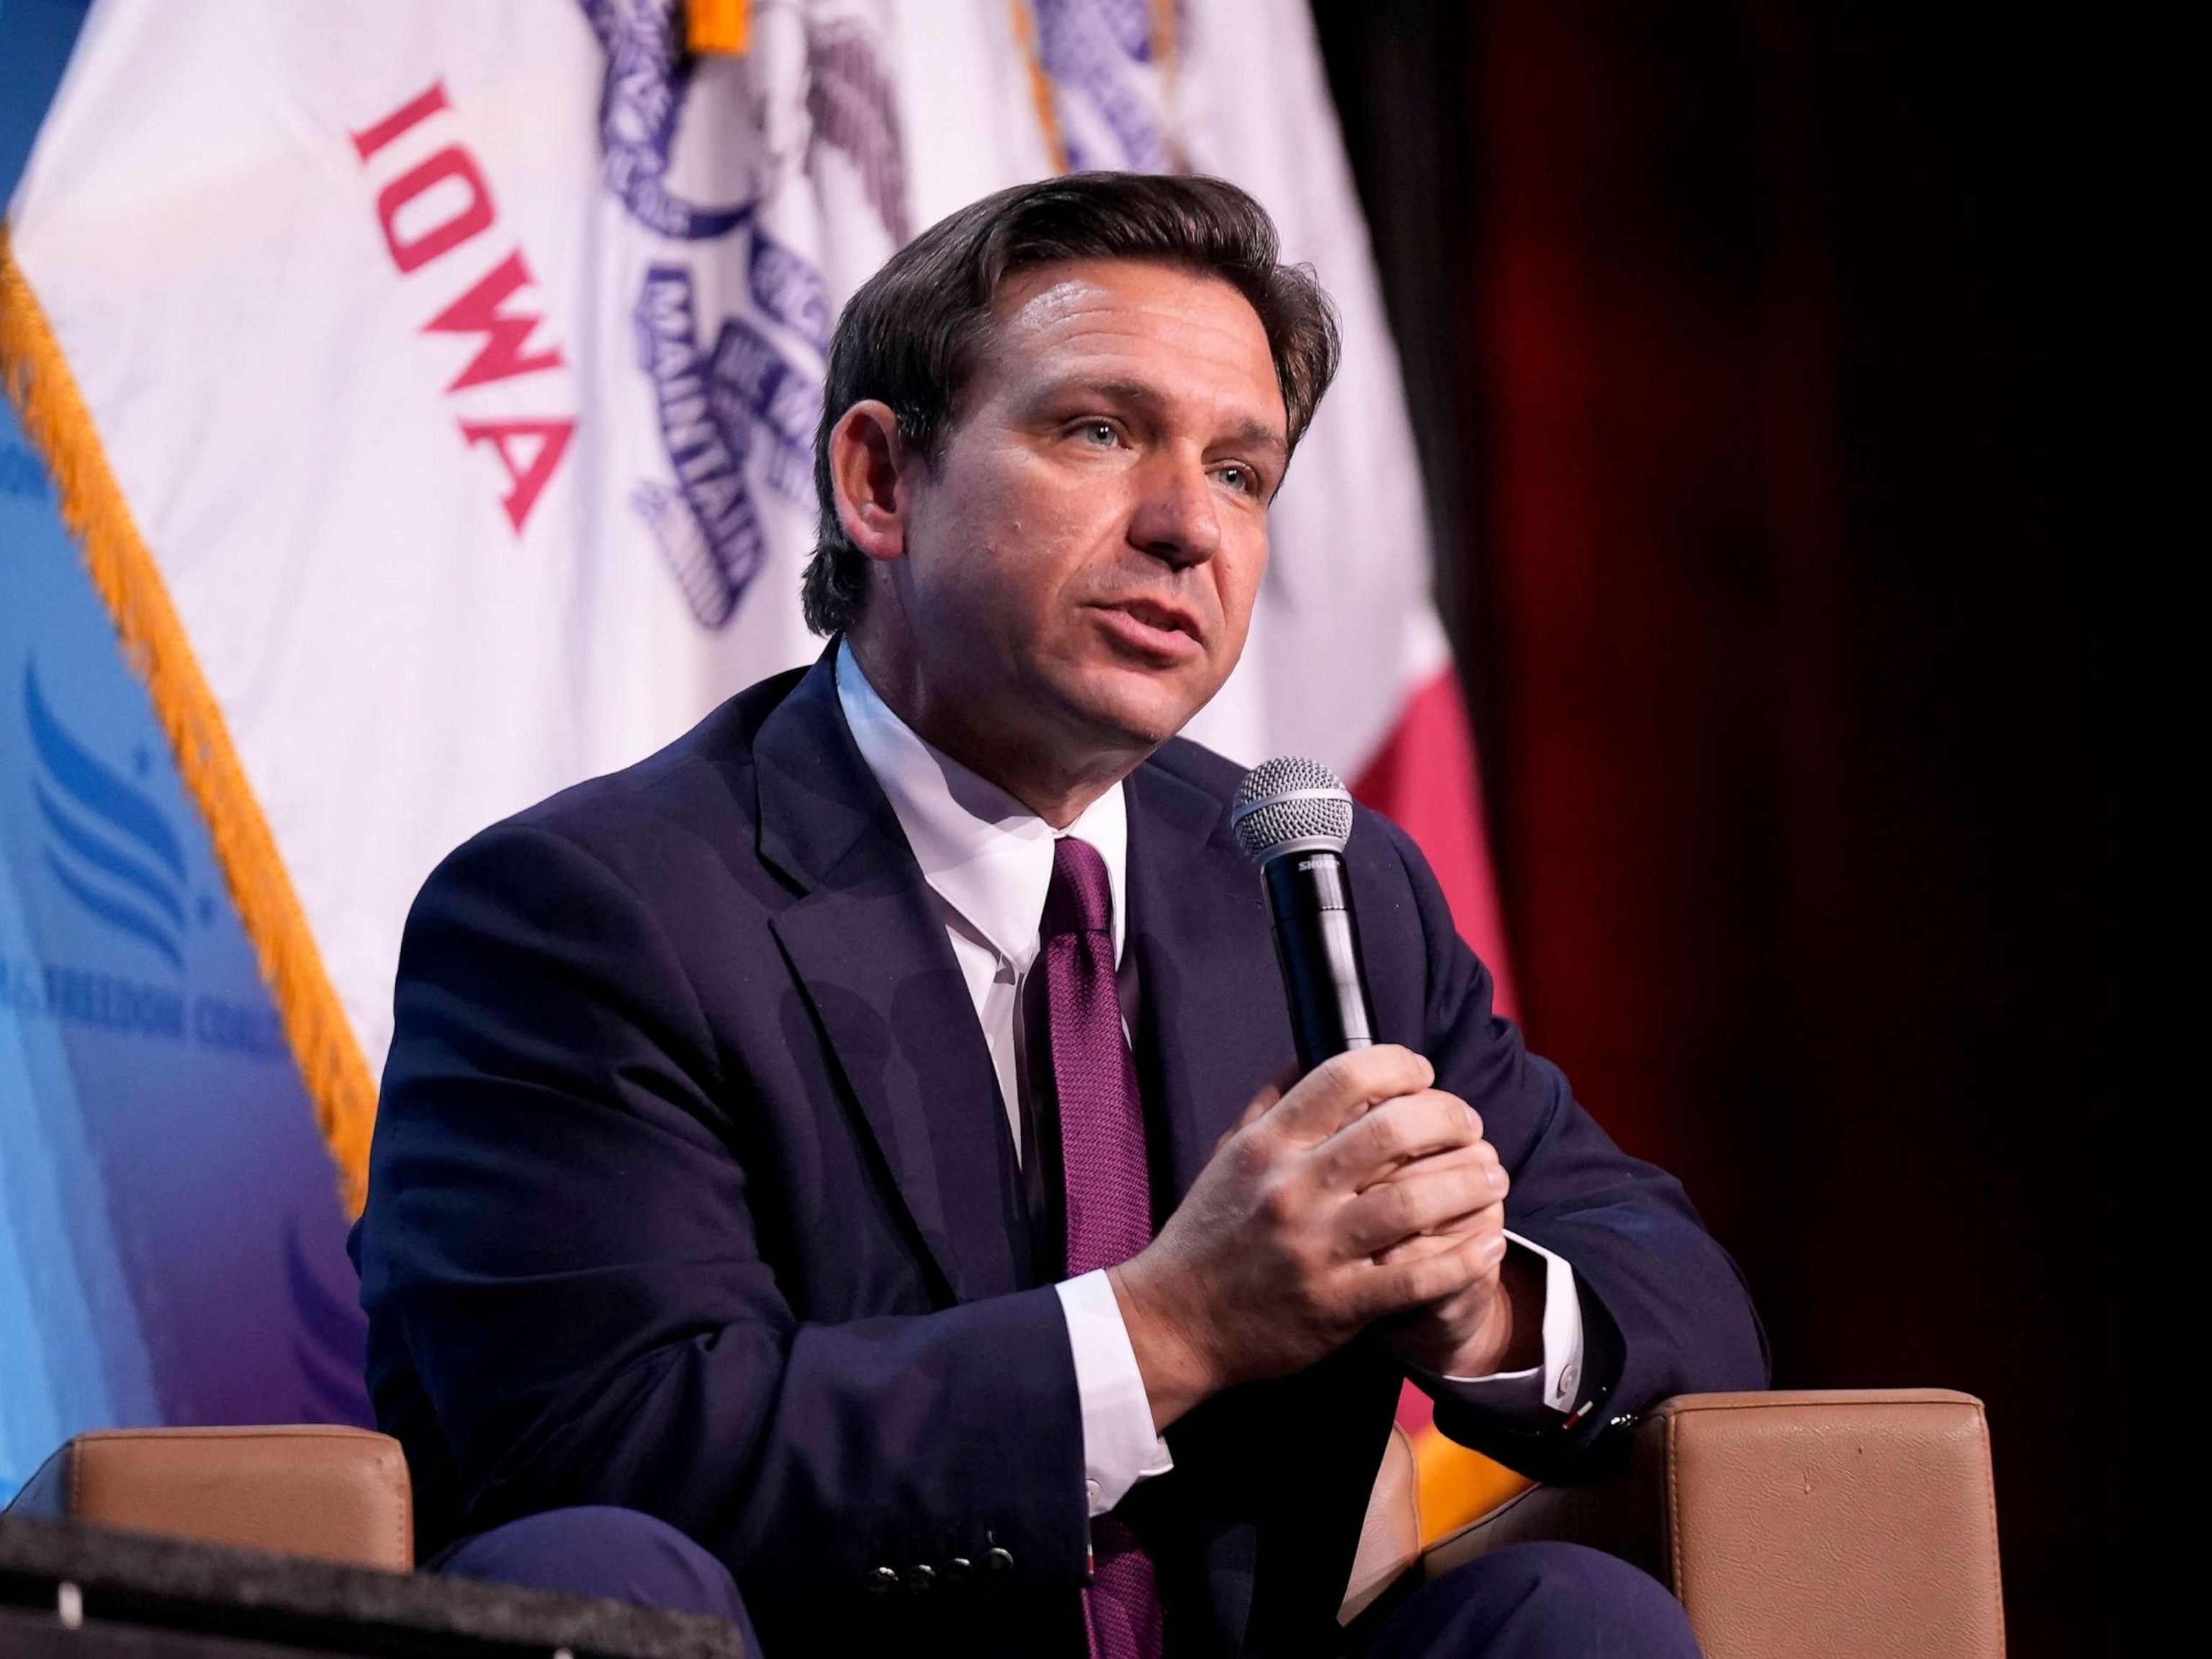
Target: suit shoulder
<point x="694" y="789"/>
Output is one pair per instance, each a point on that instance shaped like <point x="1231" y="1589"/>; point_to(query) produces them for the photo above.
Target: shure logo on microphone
<point x="1309" y="864"/>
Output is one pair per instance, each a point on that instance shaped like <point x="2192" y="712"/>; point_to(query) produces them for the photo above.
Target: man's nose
<point x="1177" y="519"/>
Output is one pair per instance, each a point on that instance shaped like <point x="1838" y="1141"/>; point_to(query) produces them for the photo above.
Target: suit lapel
<point x="1214" y="1025"/>
<point x="864" y="941"/>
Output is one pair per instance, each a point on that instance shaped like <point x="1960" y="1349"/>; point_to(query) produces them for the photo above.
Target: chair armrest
<point x="1831" y="1525"/>
<point x="336" y="1493"/>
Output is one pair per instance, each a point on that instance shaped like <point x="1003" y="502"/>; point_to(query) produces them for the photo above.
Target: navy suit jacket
<point x="692" y="1192"/>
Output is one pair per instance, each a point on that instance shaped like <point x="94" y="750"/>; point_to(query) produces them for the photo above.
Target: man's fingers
<point x="1439" y="1239"/>
<point x="1479" y="1156"/>
<point x="1420" y="1244"/>
<point x="1423" y="1279"/>
<point x="1394" y="1134"/>
<point x="1428" y="1198"/>
<point x="1343" y="1086"/>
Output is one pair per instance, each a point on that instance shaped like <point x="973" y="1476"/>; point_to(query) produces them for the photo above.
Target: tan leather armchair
<point x="1792" y="1526"/>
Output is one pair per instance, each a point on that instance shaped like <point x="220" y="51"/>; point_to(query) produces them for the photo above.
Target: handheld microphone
<point x="1292" y="818"/>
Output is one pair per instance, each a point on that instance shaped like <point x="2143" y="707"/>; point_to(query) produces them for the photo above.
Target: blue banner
<point x="171" y="1240"/>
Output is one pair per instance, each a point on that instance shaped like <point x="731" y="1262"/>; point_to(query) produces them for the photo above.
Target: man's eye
<point x="1241" y="478"/>
<point x="1099" y="432"/>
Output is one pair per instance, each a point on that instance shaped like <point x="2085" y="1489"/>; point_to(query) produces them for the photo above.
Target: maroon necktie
<point x="1109" y="1189"/>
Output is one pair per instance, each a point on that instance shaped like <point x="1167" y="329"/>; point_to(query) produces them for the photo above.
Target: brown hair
<point x="910" y="338"/>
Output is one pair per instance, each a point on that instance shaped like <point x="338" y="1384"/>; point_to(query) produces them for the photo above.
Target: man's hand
<point x="1361" y="1193"/>
<point x="1495" y="1324"/>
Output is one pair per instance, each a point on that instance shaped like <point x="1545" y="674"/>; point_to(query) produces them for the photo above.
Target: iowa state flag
<point x="432" y="386"/>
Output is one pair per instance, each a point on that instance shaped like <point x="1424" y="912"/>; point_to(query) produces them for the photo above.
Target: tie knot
<point x="1079" y="900"/>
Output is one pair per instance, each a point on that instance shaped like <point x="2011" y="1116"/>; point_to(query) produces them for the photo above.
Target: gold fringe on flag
<point x="45" y="396"/>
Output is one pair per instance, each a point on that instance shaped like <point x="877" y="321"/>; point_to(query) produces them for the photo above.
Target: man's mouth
<point x="1166" y="633"/>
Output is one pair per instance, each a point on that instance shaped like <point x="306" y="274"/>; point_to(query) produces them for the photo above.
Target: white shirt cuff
<point x="1119" y="1447"/>
<point x="1549" y="1386"/>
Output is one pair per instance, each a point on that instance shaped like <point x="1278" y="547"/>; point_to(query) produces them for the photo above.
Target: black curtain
<point x="1755" y="351"/>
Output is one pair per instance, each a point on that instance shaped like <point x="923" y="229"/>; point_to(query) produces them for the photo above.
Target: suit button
<point x="920" y="1578"/>
<point x="882" y="1579"/>
<point x="997" y="1561"/>
<point x="957" y="1568"/>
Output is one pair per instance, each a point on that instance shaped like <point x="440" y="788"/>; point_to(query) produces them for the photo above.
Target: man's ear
<point x="866" y="458"/>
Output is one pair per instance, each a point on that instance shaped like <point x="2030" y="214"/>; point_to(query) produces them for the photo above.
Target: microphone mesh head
<point x="1291" y="806"/>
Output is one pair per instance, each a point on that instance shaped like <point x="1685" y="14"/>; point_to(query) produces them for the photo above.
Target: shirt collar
<point x="982" y="852"/>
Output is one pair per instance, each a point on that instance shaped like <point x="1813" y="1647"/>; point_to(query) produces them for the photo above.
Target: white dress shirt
<point x="988" y="859"/>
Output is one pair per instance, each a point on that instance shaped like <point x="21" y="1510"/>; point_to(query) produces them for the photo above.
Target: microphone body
<point x="1292" y="818"/>
<point x="1317" y="943"/>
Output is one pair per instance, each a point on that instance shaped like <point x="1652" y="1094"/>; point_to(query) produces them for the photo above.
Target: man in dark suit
<point x="836" y="1159"/>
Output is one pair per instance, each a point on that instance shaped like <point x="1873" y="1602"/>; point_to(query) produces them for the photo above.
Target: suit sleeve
<point x="1665" y="1310"/>
<point x="562" y="1235"/>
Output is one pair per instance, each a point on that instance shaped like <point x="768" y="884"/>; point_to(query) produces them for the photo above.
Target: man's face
<point x="1080" y="564"/>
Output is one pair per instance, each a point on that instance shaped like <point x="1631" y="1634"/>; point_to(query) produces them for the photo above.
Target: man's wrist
<point x="1511" y="1337"/>
<point x="1483" y="1331"/>
<point x="1179" y="1371"/>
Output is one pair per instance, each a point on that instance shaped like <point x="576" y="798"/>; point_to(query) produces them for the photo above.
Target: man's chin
<point x="1135" y="710"/>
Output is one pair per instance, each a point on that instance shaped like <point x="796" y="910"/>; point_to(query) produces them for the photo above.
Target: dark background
<point x="1753" y="349"/>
